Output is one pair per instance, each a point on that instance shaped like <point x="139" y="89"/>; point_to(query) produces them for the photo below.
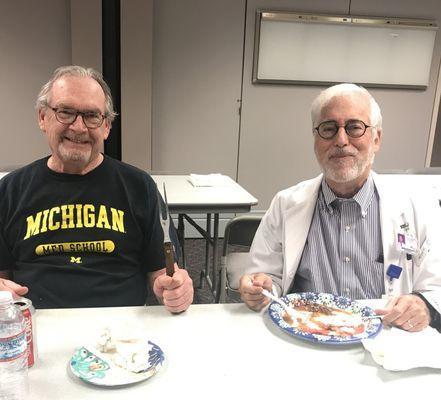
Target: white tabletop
<point x="183" y="197"/>
<point x="218" y="351"/>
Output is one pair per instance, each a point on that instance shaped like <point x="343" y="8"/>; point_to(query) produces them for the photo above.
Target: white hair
<point x="344" y="89"/>
<point x="83" y="72"/>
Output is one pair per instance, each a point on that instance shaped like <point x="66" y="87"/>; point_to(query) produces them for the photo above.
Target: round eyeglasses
<point x="354" y="128"/>
<point x="68" y="116"/>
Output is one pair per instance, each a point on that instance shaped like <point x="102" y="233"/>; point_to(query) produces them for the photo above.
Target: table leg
<point x="215" y="273"/>
<point x="205" y="271"/>
<point x="207" y="246"/>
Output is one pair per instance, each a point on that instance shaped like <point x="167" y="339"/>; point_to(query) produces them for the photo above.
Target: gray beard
<point x="75" y="156"/>
<point x="342" y="176"/>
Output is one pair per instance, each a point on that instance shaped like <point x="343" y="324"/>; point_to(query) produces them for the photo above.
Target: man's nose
<point x="341" y="138"/>
<point x="79" y="124"/>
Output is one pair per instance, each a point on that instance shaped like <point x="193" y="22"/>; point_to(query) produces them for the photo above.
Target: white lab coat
<point x="279" y="241"/>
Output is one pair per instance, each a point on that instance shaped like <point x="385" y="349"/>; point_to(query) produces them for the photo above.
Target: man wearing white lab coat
<point x="347" y="134"/>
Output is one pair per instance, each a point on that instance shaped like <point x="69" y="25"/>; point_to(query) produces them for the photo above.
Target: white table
<point x="183" y="199"/>
<point x="218" y="351"/>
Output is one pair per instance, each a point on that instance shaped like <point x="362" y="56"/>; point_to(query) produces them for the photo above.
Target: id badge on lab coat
<point x="407" y="242"/>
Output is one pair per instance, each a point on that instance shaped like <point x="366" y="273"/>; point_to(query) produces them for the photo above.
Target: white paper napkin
<point x="399" y="350"/>
<point x="209" y="180"/>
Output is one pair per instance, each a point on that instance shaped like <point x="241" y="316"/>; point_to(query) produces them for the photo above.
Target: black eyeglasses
<point x="68" y="116"/>
<point x="354" y="128"/>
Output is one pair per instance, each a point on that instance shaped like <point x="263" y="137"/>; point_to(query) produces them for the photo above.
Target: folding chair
<point x="239" y="234"/>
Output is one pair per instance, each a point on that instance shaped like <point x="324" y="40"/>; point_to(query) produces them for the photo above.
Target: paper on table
<point x="209" y="180"/>
<point x="399" y="350"/>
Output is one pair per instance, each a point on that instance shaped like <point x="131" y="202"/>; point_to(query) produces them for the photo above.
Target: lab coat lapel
<point x="391" y="211"/>
<point x="298" y="220"/>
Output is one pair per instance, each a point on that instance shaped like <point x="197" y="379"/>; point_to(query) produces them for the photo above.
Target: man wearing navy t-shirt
<point x="78" y="228"/>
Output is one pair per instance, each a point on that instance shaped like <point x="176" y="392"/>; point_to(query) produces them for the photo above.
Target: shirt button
<point x="347" y="228"/>
<point x="347" y="259"/>
<point x="363" y="214"/>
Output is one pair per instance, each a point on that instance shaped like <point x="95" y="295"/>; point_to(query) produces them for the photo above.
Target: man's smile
<point x="76" y="139"/>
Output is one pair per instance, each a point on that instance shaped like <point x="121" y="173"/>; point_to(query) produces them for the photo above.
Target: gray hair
<point x="343" y="89"/>
<point x="76" y="70"/>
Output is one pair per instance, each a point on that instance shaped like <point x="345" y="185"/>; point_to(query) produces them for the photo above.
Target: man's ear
<point x="41" y="119"/>
<point x="107" y="127"/>
<point x="377" y="139"/>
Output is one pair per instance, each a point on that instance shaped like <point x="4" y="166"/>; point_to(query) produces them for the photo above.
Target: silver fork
<point x="374" y="316"/>
<point x="168" y="244"/>
<point x="291" y="312"/>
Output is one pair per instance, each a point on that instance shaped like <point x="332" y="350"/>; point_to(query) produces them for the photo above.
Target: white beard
<point x="342" y="175"/>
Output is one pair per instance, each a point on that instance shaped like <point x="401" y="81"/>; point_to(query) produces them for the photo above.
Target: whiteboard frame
<point x="348" y="20"/>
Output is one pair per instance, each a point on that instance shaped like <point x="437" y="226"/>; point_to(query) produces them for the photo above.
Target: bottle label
<point x="13" y="347"/>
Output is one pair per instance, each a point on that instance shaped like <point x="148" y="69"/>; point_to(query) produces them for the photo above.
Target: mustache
<point x="77" y="137"/>
<point x="342" y="153"/>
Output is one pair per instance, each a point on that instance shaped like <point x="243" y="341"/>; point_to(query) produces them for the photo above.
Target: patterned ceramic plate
<point x="93" y="366"/>
<point x="349" y="316"/>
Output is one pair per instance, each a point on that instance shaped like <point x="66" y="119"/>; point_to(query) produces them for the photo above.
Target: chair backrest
<point x="240" y="231"/>
<point x="239" y="235"/>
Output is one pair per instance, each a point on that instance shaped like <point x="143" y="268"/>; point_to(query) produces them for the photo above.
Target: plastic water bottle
<point x="13" y="351"/>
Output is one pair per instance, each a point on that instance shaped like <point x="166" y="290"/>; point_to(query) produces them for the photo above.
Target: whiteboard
<point x="366" y="51"/>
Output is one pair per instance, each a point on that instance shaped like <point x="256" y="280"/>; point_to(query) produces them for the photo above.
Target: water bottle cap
<point x="5" y="297"/>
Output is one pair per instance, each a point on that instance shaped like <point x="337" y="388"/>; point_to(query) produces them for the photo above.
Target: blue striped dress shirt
<point x="343" y="252"/>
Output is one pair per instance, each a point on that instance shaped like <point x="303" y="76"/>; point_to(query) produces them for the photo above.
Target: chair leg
<point x="221" y="298"/>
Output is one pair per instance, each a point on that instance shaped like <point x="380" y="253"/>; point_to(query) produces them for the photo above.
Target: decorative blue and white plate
<point x="312" y="329"/>
<point x="98" y="368"/>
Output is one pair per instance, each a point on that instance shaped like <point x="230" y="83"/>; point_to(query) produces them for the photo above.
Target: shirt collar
<point x="363" y="197"/>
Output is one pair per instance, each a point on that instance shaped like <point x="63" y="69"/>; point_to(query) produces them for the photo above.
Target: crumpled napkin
<point x="209" y="180"/>
<point x="399" y="350"/>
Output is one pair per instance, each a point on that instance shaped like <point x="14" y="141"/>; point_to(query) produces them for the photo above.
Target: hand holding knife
<point x="168" y="245"/>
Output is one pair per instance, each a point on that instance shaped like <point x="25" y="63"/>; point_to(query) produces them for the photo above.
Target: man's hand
<point x="408" y="312"/>
<point x="10" y="286"/>
<point x="176" y="292"/>
<point x="251" y="290"/>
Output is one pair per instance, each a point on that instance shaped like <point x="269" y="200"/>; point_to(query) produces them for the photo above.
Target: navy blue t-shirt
<point x="81" y="240"/>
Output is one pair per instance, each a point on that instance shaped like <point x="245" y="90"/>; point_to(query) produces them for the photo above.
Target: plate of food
<point x="116" y="360"/>
<point x="325" y="318"/>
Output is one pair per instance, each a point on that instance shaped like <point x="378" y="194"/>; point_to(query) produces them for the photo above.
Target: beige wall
<point x="136" y="81"/>
<point x="181" y="73"/>
<point x="35" y="39"/>
<point x="53" y="33"/>
<point x="276" y="139"/>
<point x="86" y="37"/>
<point x="197" y="64"/>
<point x="49" y="34"/>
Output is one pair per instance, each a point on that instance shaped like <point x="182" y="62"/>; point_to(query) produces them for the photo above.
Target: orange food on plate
<point x="315" y="318"/>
